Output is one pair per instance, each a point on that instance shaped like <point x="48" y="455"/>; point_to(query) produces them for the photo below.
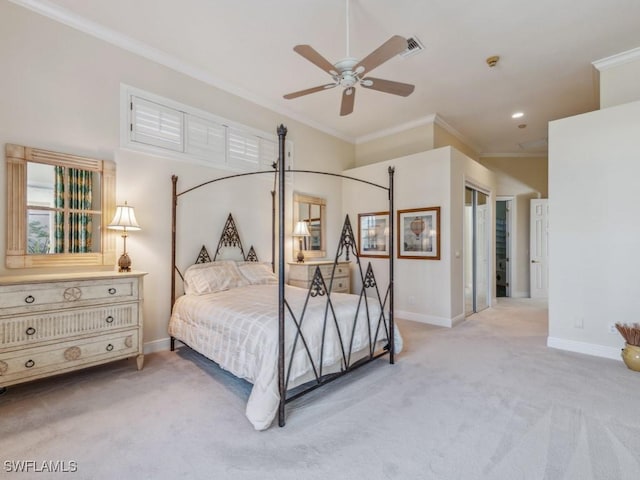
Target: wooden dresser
<point x="51" y="324"/>
<point x="301" y="275"/>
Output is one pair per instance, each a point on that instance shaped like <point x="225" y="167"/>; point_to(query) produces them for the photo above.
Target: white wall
<point x="594" y="232"/>
<point x="60" y="90"/>
<point x="429" y="291"/>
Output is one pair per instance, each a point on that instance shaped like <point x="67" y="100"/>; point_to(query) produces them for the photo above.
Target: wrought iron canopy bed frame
<point x="320" y="286"/>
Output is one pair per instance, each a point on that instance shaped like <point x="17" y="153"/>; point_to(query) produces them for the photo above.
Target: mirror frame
<point x="17" y="157"/>
<point x="301" y="198"/>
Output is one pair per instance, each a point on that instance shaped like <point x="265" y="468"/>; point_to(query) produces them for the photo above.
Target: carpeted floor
<point x="484" y="400"/>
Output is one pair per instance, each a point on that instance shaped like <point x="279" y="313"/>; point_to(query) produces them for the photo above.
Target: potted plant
<point x="631" y="351"/>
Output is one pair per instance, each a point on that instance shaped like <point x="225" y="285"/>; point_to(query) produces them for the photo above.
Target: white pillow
<point x="258" y="273"/>
<point x="212" y="277"/>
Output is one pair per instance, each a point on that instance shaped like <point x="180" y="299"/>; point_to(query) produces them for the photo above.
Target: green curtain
<point x="58" y="199"/>
<point x="80" y="224"/>
<point x="80" y="184"/>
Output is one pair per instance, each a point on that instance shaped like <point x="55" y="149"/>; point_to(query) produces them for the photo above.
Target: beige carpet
<point x="485" y="400"/>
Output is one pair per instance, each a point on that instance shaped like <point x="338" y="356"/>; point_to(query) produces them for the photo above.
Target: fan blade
<point x="314" y="57"/>
<point x="384" y="52"/>
<point x="348" y="97"/>
<point x="388" y="86"/>
<point x="300" y="93"/>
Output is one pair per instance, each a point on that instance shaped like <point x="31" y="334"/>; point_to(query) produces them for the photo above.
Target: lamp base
<point x="124" y="263"/>
<point x="300" y="257"/>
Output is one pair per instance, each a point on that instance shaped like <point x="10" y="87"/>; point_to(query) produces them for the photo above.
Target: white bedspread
<point x="238" y="329"/>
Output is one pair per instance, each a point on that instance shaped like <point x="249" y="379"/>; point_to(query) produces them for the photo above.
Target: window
<point x="153" y="124"/>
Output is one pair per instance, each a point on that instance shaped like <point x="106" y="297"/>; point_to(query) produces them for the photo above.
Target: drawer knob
<point x="109" y="319"/>
<point x="30" y="331"/>
<point x="109" y="347"/>
<point x="29" y="363"/>
<point x="112" y="291"/>
<point x="30" y="299"/>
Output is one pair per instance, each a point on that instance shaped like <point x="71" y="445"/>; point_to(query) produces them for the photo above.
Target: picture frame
<point x="373" y="234"/>
<point x="419" y="233"/>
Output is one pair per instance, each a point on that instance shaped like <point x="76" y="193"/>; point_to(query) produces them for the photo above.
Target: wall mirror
<point x="58" y="209"/>
<point x="313" y="211"/>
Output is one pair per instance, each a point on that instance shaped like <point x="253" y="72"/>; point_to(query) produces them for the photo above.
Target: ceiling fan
<point x="349" y="71"/>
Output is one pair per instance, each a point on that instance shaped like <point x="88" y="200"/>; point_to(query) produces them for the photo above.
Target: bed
<point x="285" y="340"/>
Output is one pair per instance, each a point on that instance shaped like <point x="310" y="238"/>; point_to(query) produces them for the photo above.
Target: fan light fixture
<point x="349" y="72"/>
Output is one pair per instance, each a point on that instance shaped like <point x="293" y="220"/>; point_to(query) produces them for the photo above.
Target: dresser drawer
<point x="26" y="330"/>
<point x="342" y="271"/>
<point x="45" y="296"/>
<point x="31" y="363"/>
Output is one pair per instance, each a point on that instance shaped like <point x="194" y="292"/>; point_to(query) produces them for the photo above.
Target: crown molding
<point x="617" y="59"/>
<point x="514" y="155"/>
<point x="433" y="118"/>
<point x="442" y="123"/>
<point x="397" y="129"/>
<point x="66" y="17"/>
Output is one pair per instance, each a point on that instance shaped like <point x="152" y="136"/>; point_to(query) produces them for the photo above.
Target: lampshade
<point x="301" y="230"/>
<point x="124" y="219"/>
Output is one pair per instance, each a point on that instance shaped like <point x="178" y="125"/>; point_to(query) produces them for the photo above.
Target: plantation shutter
<point x="205" y="139"/>
<point x="243" y="150"/>
<point x="268" y="153"/>
<point x="156" y="125"/>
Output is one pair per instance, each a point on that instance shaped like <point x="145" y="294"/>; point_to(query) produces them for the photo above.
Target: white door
<point x="539" y="248"/>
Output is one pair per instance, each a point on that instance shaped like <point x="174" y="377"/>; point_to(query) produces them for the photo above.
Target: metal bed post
<point x="282" y="133"/>
<point x="174" y="202"/>
<point x="392" y="343"/>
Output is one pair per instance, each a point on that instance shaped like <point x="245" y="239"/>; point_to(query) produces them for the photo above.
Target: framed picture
<point x="419" y="233"/>
<point x="373" y="234"/>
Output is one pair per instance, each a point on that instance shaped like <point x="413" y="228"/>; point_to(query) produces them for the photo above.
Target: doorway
<point x="503" y="247"/>
<point x="477" y="249"/>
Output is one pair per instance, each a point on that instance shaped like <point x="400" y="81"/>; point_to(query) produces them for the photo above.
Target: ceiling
<point x="546" y="50"/>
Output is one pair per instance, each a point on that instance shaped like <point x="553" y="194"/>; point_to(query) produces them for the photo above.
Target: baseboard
<point x="157" y="345"/>
<point x="430" y="319"/>
<point x="612" y="353"/>
<point x="520" y="295"/>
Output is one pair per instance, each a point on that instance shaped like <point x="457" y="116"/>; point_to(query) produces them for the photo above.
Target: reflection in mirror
<point x="63" y="206"/>
<point x="57" y="209"/>
<point x="311" y="210"/>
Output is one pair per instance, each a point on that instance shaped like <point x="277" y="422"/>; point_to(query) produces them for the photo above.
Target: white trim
<point x="617" y="59"/>
<point x="430" y="319"/>
<point x="586" y="348"/>
<point x="159" y="345"/>
<point x="433" y="118"/>
<point x="513" y="155"/>
<point x="66" y="17"/>
<point x="520" y="294"/>
<point x="442" y="123"/>
<point x="429" y="119"/>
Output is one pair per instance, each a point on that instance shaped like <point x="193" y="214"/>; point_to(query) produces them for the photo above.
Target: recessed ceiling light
<point x="517" y="115"/>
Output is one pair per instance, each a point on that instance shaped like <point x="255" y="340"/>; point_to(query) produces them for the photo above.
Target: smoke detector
<point x="493" y="61"/>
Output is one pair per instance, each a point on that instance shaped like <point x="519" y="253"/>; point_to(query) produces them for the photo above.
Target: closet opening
<point x="503" y="247"/>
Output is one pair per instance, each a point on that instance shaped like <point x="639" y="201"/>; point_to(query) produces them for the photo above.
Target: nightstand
<point x="301" y="275"/>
